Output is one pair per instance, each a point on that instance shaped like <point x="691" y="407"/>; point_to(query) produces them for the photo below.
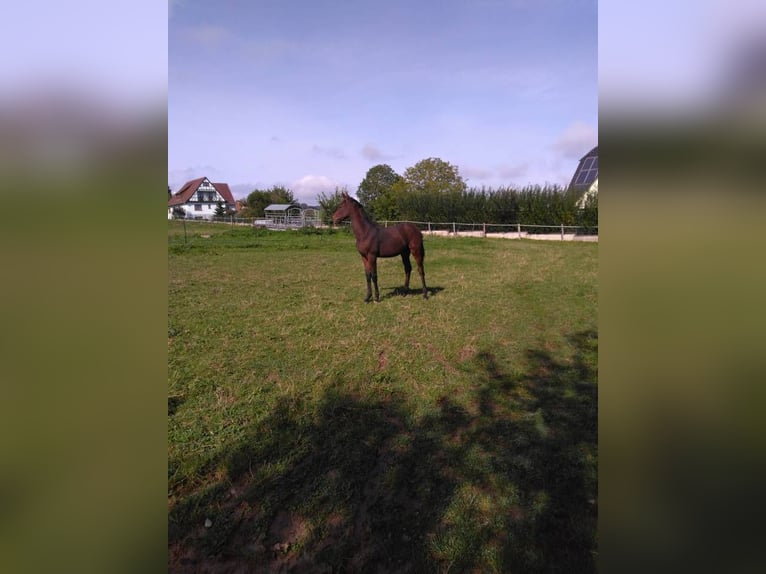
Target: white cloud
<point x="309" y="187"/>
<point x="576" y="140"/>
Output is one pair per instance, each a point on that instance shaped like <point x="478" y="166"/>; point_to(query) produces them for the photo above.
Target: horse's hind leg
<point x="420" y="255"/>
<point x="407" y="271"/>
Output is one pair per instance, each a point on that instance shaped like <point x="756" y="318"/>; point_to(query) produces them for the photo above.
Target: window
<point x="198" y="207"/>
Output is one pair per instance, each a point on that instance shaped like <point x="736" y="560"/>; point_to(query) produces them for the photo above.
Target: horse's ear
<point x="344" y="195"/>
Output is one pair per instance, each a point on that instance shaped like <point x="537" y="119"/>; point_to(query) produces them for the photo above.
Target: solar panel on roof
<point x="587" y="171"/>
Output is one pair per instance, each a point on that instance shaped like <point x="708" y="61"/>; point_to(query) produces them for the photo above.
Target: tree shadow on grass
<point x="503" y="482"/>
<point x="173" y="403"/>
<point x="541" y="431"/>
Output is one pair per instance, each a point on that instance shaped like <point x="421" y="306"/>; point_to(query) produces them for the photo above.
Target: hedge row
<point x="533" y="205"/>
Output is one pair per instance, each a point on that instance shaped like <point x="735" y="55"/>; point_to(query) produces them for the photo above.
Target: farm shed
<point x="310" y="215"/>
<point x="284" y="214"/>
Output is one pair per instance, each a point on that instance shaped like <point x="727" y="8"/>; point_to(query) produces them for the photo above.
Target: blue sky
<point x="311" y="95"/>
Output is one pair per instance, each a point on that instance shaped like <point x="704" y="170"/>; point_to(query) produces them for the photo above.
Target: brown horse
<point x="373" y="241"/>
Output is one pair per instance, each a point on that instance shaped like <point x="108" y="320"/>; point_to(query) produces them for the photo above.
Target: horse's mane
<point x="363" y="210"/>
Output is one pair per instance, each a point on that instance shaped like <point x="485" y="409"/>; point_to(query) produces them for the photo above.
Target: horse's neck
<point x="360" y="223"/>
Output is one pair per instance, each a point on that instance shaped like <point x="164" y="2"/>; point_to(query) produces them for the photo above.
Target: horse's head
<point x="344" y="209"/>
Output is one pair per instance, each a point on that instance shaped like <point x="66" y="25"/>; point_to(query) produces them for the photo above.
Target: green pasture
<point x="311" y="432"/>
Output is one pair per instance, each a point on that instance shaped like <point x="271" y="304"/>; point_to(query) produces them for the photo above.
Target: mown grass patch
<point x="319" y="433"/>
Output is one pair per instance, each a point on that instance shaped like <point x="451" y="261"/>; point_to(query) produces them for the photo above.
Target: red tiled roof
<point x="188" y="189"/>
<point x="183" y="195"/>
<point x="223" y="189"/>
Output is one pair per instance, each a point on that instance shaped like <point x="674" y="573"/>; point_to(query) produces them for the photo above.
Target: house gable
<point x="202" y="190"/>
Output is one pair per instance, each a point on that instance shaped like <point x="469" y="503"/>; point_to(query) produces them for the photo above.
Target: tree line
<point x="433" y="190"/>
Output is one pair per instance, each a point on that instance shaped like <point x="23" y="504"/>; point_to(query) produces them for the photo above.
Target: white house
<point x="199" y="198"/>
<point x="588" y="195"/>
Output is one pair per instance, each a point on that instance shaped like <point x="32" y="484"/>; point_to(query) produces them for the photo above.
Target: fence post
<point x="518" y="229"/>
<point x="429" y="228"/>
<point x="484" y="229"/>
<point x="453" y="229"/>
<point x="562" y="232"/>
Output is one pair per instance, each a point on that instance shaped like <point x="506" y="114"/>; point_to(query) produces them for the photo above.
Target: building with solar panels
<point x="585" y="177"/>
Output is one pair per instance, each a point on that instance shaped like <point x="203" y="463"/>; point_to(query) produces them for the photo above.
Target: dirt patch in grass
<point x="286" y="530"/>
<point x="466" y="353"/>
<point x="382" y="360"/>
<point x="436" y="354"/>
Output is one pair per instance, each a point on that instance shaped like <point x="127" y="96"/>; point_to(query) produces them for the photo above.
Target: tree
<point x="255" y="202"/>
<point x="220" y="211"/>
<point x="329" y="203"/>
<point x="280" y="194"/>
<point x="388" y="207"/>
<point x="259" y="199"/>
<point x="433" y="175"/>
<point x="432" y="191"/>
<point x="376" y="191"/>
<point x="587" y="214"/>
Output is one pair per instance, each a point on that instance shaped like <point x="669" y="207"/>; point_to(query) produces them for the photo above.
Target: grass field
<point x="311" y="432"/>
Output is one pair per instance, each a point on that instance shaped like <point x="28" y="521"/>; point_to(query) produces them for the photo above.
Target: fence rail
<point x="517" y="230"/>
<point x="452" y="229"/>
